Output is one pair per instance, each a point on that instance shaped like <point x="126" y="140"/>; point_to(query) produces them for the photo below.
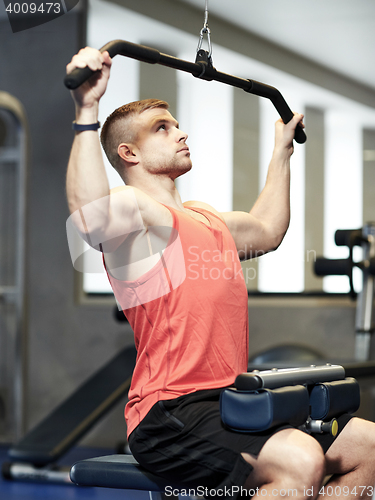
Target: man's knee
<point x="289" y="456"/>
<point x="310" y="463"/>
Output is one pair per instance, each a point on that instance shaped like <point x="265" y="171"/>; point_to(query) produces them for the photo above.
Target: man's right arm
<point x="86" y="177"/>
<point x="103" y="220"/>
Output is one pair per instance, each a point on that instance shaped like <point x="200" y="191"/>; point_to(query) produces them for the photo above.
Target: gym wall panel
<point x="158" y="82"/>
<point x="314" y="195"/>
<point x="326" y="326"/>
<point x="246" y="165"/>
<point x="368" y="175"/>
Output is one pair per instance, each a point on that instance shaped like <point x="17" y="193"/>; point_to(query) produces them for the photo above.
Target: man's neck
<point x="161" y="189"/>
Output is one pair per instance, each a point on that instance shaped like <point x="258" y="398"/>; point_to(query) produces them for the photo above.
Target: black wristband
<point x="80" y="128"/>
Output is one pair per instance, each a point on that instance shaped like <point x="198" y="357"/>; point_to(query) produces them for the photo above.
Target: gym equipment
<point x="202" y="68"/>
<point x="253" y="406"/>
<point x="13" y="202"/>
<point x="33" y="458"/>
<point x="364" y="322"/>
<point x="121" y="471"/>
<point x="257" y="411"/>
<point x="289" y="376"/>
<point x="330" y="399"/>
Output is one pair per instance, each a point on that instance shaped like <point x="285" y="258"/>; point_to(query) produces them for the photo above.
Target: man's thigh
<point x="185" y="440"/>
<point x="291" y="449"/>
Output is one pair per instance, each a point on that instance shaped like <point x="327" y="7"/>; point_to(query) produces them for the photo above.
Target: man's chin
<point x="183" y="170"/>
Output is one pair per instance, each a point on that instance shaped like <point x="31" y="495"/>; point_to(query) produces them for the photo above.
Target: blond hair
<point x="117" y="128"/>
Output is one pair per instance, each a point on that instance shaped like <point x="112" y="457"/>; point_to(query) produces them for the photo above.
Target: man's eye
<point x="162" y="127"/>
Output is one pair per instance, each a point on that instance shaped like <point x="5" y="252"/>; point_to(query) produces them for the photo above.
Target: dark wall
<point x="66" y="340"/>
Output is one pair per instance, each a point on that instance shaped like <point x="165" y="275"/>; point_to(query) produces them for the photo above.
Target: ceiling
<point x="338" y="34"/>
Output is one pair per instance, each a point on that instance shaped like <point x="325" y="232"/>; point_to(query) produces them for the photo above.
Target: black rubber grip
<point x="286" y="114"/>
<point x="348" y="237"/>
<point x="6" y="470"/>
<point x="332" y="267"/>
<point x="116" y="47"/>
<point x="78" y="76"/>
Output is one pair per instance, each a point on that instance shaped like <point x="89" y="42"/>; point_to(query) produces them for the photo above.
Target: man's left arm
<point x="263" y="228"/>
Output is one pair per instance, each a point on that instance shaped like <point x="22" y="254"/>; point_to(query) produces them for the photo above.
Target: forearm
<point x="272" y="207"/>
<point x="86" y="176"/>
<point x="87" y="185"/>
<point x="86" y="179"/>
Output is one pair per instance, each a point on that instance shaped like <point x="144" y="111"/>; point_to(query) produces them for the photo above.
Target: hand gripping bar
<point x="197" y="69"/>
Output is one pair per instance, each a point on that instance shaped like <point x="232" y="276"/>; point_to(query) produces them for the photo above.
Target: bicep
<point x="106" y="222"/>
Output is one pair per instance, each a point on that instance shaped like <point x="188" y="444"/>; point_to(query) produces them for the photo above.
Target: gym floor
<point x="12" y="490"/>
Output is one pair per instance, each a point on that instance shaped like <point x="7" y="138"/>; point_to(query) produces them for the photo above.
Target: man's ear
<point x="129" y="153"/>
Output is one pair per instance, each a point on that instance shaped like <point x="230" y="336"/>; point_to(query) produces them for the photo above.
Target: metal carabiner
<point x="205" y="30"/>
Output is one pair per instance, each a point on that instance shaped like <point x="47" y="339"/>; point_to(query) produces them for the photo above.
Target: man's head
<point x="120" y="127"/>
<point x="143" y="138"/>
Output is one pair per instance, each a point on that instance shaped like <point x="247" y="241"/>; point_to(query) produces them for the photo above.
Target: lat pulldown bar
<point x="202" y="69"/>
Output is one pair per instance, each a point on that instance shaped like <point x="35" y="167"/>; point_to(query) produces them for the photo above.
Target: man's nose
<point x="182" y="136"/>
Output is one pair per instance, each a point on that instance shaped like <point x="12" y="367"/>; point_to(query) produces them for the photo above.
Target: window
<point x="327" y="172"/>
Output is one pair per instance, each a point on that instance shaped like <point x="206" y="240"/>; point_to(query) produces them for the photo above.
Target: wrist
<point x="80" y="127"/>
<point x="282" y="155"/>
<point x="87" y="115"/>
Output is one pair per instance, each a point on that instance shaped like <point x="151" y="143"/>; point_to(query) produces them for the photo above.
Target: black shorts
<point x="185" y="441"/>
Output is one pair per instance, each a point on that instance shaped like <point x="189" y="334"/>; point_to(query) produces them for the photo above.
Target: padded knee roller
<point x="256" y="411"/>
<point x="331" y="399"/>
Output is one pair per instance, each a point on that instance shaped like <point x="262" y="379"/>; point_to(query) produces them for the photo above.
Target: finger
<point x="298" y="119"/>
<point x="107" y="58"/>
<point x="86" y="57"/>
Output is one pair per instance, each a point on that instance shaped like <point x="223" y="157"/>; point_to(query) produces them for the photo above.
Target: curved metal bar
<point x="289" y="376"/>
<point x="198" y="69"/>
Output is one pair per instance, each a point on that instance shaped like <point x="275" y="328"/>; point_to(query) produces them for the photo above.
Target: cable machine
<point x="202" y="68"/>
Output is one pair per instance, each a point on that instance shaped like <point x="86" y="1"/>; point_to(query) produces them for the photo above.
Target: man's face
<point x="161" y="144"/>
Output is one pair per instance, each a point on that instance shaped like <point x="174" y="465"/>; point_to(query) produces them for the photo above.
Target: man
<point x="187" y="303"/>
